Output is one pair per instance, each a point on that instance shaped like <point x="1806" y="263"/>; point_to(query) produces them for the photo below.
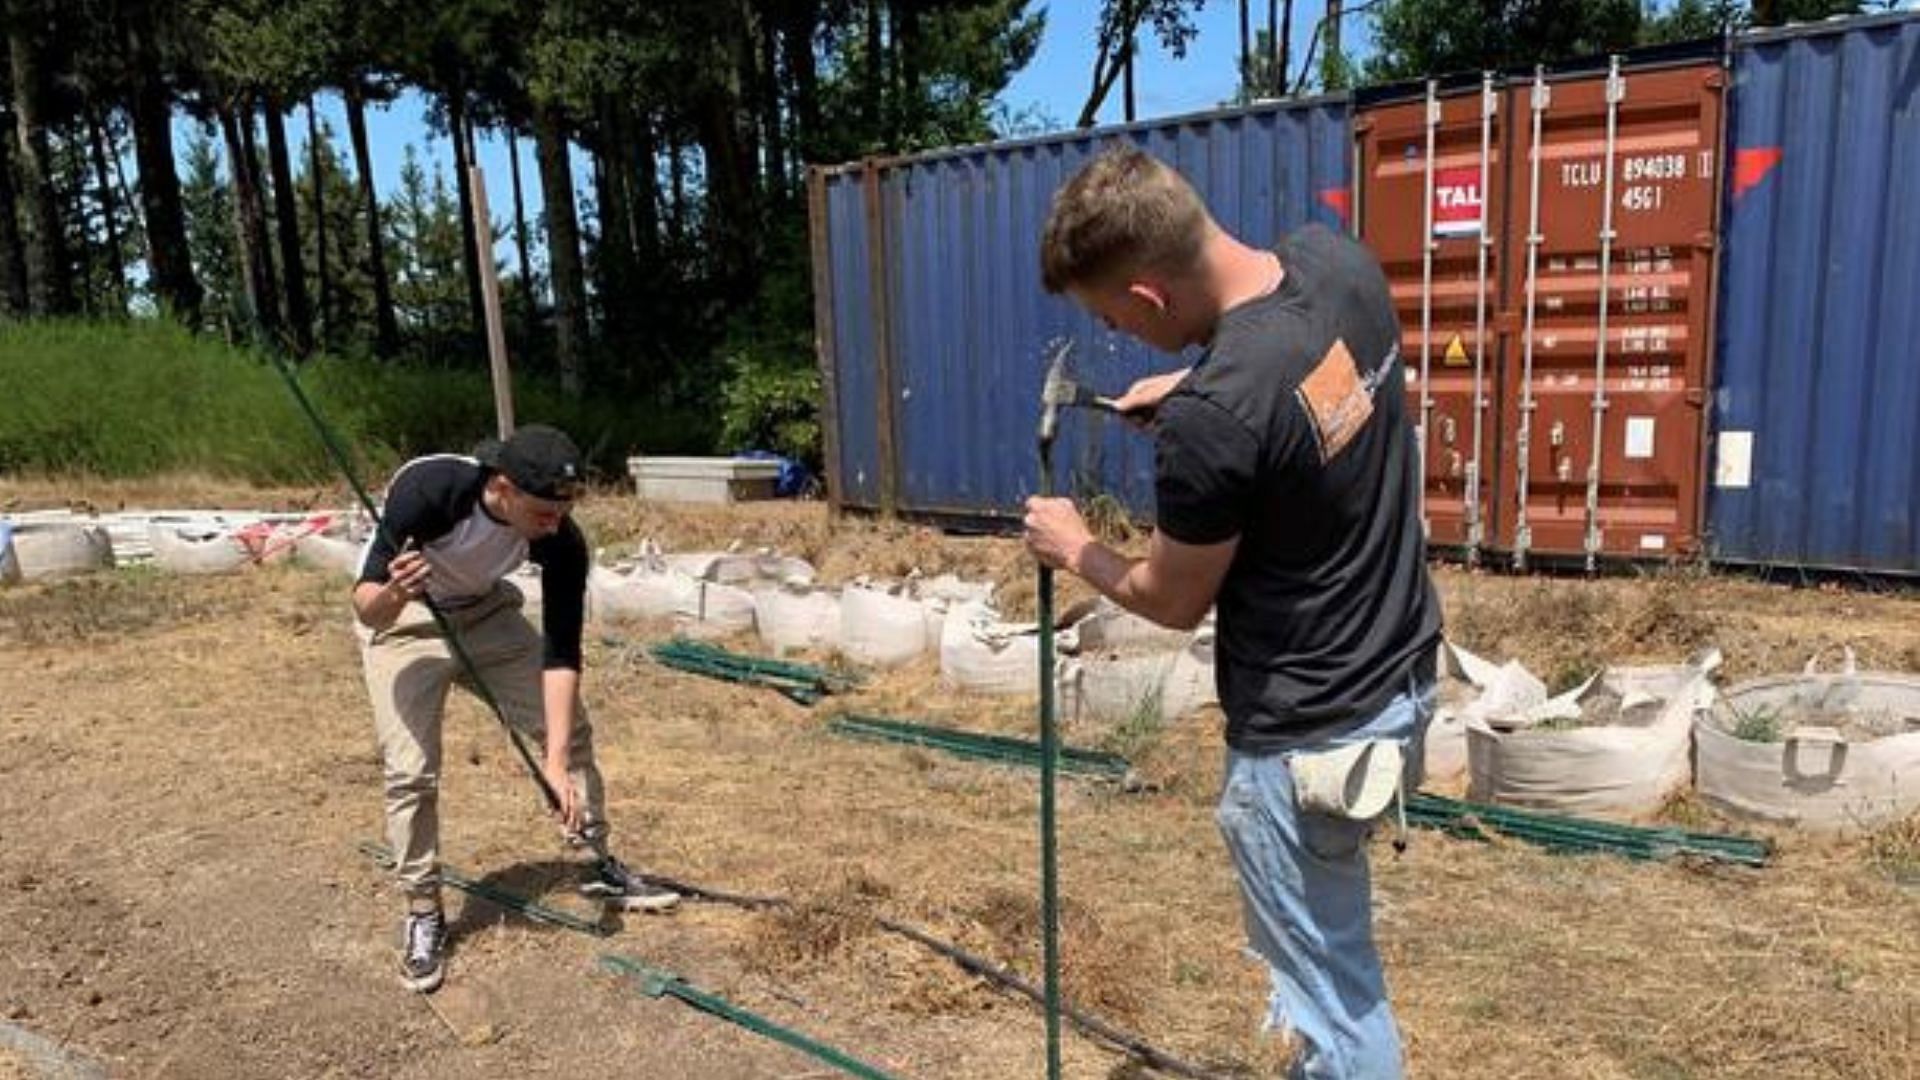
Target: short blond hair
<point x="1125" y="212"/>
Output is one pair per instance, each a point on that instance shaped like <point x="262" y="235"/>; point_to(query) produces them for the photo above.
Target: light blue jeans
<point x="1307" y="899"/>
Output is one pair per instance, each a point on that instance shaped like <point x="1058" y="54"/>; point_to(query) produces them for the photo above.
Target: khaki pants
<point x="409" y="669"/>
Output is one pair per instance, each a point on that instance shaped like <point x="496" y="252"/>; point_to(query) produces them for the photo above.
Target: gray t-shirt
<point x="1292" y="434"/>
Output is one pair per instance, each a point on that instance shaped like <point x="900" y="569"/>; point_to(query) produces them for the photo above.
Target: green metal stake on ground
<point x="657" y="983"/>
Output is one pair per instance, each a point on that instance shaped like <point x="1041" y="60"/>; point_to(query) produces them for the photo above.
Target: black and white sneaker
<point x="620" y="887"/>
<point x="423" y="953"/>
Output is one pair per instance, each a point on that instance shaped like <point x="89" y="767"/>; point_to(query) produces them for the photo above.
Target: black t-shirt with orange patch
<point x="1292" y="434"/>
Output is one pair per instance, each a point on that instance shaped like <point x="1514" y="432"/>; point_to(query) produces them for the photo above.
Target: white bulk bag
<point x="1112" y="688"/>
<point x="331" y="553"/>
<point x="1817" y="774"/>
<point x="190" y="550"/>
<point x="797" y="616"/>
<point x="1624" y="770"/>
<point x="879" y="627"/>
<point x="979" y="654"/>
<point x="939" y="595"/>
<point x="1105" y="625"/>
<point x="58" y="549"/>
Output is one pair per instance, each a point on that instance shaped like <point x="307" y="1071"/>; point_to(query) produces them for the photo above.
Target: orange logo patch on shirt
<point x="1337" y="400"/>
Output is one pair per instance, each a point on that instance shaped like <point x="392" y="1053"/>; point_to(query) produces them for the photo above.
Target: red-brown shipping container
<point x="1557" y="352"/>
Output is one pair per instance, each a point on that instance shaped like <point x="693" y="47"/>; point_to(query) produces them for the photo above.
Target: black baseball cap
<point x="540" y="461"/>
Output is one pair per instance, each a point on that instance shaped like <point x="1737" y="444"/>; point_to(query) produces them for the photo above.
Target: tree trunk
<point x="614" y="262"/>
<point x="1273" y="49"/>
<point x="1107" y="67"/>
<point x="470" y="244"/>
<point x="771" y="125"/>
<point x="386" y="327"/>
<point x="1126" y="94"/>
<point x="875" y="75"/>
<point x="169" y="260"/>
<point x="730" y="214"/>
<point x="319" y="224"/>
<point x="110" y="212"/>
<point x="1284" y="52"/>
<point x="796" y="38"/>
<point x="641" y="166"/>
<point x="13" y="262"/>
<point x="1246" y="50"/>
<point x="49" y="279"/>
<point x="563" y="246"/>
<point x="250" y="225"/>
<point x="527" y="295"/>
<point x="906" y="50"/>
<point x="286" y="220"/>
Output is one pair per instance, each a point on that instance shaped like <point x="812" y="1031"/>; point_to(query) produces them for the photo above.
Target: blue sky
<point x="1055" y="84"/>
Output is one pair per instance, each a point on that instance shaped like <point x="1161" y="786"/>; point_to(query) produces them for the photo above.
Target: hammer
<point x="1062" y="390"/>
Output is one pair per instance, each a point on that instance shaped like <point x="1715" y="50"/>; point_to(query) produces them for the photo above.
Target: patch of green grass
<point x="1762" y="724"/>
<point x="125" y="399"/>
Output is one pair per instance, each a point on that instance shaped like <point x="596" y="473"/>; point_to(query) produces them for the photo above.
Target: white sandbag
<point x="797" y="616"/>
<point x="60" y="549"/>
<point x="638" y="592"/>
<point x="1107" y="626"/>
<point x="880" y="627"/>
<point x="526" y="578"/>
<point x="1472" y="688"/>
<point x="1834" y="753"/>
<point x="716" y="608"/>
<point x="980" y="654"/>
<point x="939" y="595"/>
<point x="331" y="553"/>
<point x="9" y="564"/>
<point x="1625" y="765"/>
<point x="758" y="569"/>
<point x="197" y="551"/>
<point x="1113" y="688"/>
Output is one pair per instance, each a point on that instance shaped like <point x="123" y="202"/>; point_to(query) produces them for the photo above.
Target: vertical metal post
<point x="1476" y="528"/>
<point x="1522" y="532"/>
<point x="1049" y="758"/>
<point x="1616" y="92"/>
<point x="1427" y="247"/>
<point x="825" y="348"/>
<point x="490" y="302"/>
<point x="879" y="278"/>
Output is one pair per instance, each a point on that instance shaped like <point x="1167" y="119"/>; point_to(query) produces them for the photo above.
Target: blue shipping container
<point x="933" y="326"/>
<point x="1817" y="389"/>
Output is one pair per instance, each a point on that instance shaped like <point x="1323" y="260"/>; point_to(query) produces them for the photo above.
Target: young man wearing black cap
<point x="454" y="528"/>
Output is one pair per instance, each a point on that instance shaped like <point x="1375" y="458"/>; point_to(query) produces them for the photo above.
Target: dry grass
<point x="220" y="735"/>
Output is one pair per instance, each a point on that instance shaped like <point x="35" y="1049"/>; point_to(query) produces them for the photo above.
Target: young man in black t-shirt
<point x="1288" y="495"/>
<point x="453" y="528"/>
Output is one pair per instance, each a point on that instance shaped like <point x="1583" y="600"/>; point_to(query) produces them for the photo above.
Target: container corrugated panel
<point x="1557" y="352"/>
<point x="1444" y="267"/>
<point x="854" y="373"/>
<point x="958" y="325"/>
<point x="1606" y="426"/>
<point x="1817" y="395"/>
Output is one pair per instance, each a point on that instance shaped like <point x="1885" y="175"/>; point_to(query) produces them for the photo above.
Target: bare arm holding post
<point x="1174" y="585"/>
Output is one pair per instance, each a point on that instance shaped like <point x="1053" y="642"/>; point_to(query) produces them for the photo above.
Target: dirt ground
<point x="187" y="764"/>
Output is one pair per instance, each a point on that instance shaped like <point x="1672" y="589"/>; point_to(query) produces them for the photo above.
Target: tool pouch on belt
<point x="1357" y="781"/>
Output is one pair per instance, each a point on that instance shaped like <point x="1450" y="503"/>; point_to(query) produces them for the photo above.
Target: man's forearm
<point x="559" y="691"/>
<point x="1130" y="583"/>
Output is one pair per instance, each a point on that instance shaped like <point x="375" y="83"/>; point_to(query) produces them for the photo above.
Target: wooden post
<point x="490" y="296"/>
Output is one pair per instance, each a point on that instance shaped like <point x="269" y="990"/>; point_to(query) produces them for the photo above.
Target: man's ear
<point x="1151" y="295"/>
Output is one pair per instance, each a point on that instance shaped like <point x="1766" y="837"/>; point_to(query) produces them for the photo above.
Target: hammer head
<point x="1059" y="389"/>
